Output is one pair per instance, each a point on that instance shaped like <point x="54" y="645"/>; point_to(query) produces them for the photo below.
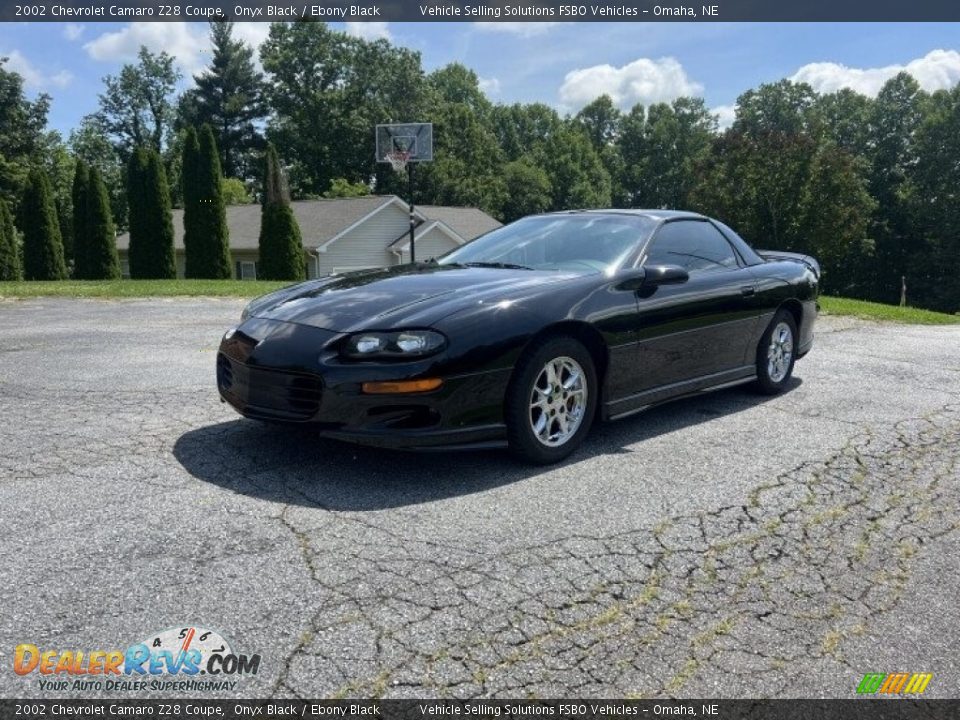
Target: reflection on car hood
<point x="404" y="296"/>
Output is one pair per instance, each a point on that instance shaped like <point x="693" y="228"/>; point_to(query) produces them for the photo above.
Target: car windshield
<point x="584" y="243"/>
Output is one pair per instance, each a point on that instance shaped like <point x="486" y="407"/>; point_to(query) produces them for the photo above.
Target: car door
<point x="695" y="333"/>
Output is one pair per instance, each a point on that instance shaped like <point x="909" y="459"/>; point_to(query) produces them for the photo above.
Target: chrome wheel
<point x="558" y="401"/>
<point x="780" y="352"/>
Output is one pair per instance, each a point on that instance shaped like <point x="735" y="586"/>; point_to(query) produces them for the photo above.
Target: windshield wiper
<point x="501" y="265"/>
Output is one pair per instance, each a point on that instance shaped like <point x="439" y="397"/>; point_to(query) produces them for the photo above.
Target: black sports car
<point x="525" y="335"/>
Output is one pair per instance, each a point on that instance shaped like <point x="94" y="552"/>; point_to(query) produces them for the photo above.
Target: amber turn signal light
<point x="402" y="386"/>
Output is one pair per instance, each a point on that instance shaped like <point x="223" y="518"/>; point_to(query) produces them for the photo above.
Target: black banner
<point x="468" y="10"/>
<point x="854" y="709"/>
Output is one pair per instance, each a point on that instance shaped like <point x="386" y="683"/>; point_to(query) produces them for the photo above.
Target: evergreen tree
<point x="10" y="268"/>
<point x="192" y="232"/>
<point x="42" y="244"/>
<point x="281" y="246"/>
<point x="151" y="224"/>
<point x="81" y="233"/>
<point x="229" y="97"/>
<point x="205" y="217"/>
<point x="101" y="262"/>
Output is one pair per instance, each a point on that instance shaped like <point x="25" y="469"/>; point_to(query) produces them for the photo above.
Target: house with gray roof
<point x="342" y="234"/>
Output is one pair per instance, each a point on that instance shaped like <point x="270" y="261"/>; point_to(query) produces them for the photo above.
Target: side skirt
<point x="639" y="402"/>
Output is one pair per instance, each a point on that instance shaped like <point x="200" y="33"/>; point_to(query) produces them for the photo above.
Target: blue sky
<point x="561" y="64"/>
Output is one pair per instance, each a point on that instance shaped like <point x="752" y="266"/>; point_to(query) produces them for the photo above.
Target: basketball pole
<point x="413" y="220"/>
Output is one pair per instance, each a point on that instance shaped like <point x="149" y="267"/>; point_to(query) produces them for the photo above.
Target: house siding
<point x="235" y="257"/>
<point x="366" y="245"/>
<point x="432" y="244"/>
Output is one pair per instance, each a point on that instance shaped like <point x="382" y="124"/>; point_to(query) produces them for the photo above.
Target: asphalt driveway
<point x="725" y="546"/>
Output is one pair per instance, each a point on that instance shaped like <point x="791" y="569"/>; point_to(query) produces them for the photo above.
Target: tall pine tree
<point x="206" y="238"/>
<point x="151" y="224"/>
<point x="229" y="97"/>
<point x="81" y="234"/>
<point x="10" y="268"/>
<point x="42" y="243"/>
<point x="101" y="261"/>
<point x="281" y="246"/>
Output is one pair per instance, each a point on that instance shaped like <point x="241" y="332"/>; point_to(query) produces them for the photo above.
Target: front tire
<point x="551" y="401"/>
<point x="776" y="354"/>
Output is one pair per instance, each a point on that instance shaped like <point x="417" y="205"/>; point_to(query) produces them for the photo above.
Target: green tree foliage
<point x="341" y="188"/>
<point x="22" y="138"/>
<point x="151" y="252"/>
<point x="89" y="142"/>
<point x="326" y="91"/>
<point x="527" y="187"/>
<point x="206" y="238"/>
<point x="10" y="266"/>
<point x="578" y="178"/>
<point x="81" y="229"/>
<point x="661" y="148"/>
<point x="101" y="261"/>
<point x="42" y="245"/>
<point x="229" y="97"/>
<point x="933" y="199"/>
<point x="520" y="128"/>
<point x="893" y="124"/>
<point x="136" y="107"/>
<point x="783" y="188"/>
<point x="281" y="246"/>
<point x="235" y="192"/>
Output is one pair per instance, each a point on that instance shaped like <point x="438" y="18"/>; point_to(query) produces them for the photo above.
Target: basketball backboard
<point x="411" y="141"/>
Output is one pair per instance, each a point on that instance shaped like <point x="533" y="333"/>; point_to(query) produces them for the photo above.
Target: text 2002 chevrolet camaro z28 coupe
<point x="525" y="335"/>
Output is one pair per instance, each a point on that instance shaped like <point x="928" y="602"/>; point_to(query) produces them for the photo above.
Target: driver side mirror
<point x="665" y="275"/>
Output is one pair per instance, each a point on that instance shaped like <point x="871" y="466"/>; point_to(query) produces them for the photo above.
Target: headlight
<point x="402" y="344"/>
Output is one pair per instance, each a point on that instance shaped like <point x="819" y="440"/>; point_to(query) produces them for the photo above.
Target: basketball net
<point x="398" y="159"/>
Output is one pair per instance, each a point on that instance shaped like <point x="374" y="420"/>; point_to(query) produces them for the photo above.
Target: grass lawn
<point x="886" y="313"/>
<point x="139" y="288"/>
<point x="250" y="289"/>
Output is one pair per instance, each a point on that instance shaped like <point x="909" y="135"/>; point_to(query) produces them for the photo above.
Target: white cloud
<point x="188" y="43"/>
<point x="72" y="31"/>
<point x="369" y="30"/>
<point x="937" y="70"/>
<point x="252" y="33"/>
<point x="490" y="86"/>
<point x="642" y="81"/>
<point x="520" y="29"/>
<point x="33" y="77"/>
<point x="726" y="114"/>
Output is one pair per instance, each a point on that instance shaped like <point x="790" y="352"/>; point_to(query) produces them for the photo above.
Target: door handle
<point x="748" y="290"/>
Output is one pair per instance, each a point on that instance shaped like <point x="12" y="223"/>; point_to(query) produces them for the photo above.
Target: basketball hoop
<point x="398" y="159"/>
<point x="403" y="145"/>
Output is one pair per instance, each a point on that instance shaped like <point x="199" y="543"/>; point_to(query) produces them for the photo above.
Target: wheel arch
<point x="794" y="307"/>
<point x="588" y="336"/>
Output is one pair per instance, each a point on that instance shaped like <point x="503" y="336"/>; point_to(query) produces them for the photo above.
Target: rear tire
<point x="551" y="401"/>
<point x="776" y="354"/>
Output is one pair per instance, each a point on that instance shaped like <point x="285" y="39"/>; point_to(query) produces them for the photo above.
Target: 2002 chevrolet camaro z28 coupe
<point x="525" y="335"/>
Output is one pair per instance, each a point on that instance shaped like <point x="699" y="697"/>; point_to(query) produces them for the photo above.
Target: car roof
<point x="651" y="213"/>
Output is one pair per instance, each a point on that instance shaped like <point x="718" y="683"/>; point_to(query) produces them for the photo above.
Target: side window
<point x="695" y="245"/>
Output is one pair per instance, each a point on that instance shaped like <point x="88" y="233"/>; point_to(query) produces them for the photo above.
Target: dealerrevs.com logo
<point x="191" y="659"/>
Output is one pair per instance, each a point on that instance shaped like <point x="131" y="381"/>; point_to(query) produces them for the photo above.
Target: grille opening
<point x="224" y="372"/>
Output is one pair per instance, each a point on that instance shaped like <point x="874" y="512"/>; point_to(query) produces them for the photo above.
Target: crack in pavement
<point x="812" y="558"/>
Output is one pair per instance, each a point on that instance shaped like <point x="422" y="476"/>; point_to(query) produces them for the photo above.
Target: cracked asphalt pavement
<point x="727" y="546"/>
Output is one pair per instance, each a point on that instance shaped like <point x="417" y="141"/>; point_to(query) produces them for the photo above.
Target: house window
<point x="246" y="270"/>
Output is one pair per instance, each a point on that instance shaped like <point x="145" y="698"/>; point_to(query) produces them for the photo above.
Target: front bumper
<point x="286" y="373"/>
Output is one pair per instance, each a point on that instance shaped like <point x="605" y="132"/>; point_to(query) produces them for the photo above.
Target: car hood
<point x="403" y="296"/>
